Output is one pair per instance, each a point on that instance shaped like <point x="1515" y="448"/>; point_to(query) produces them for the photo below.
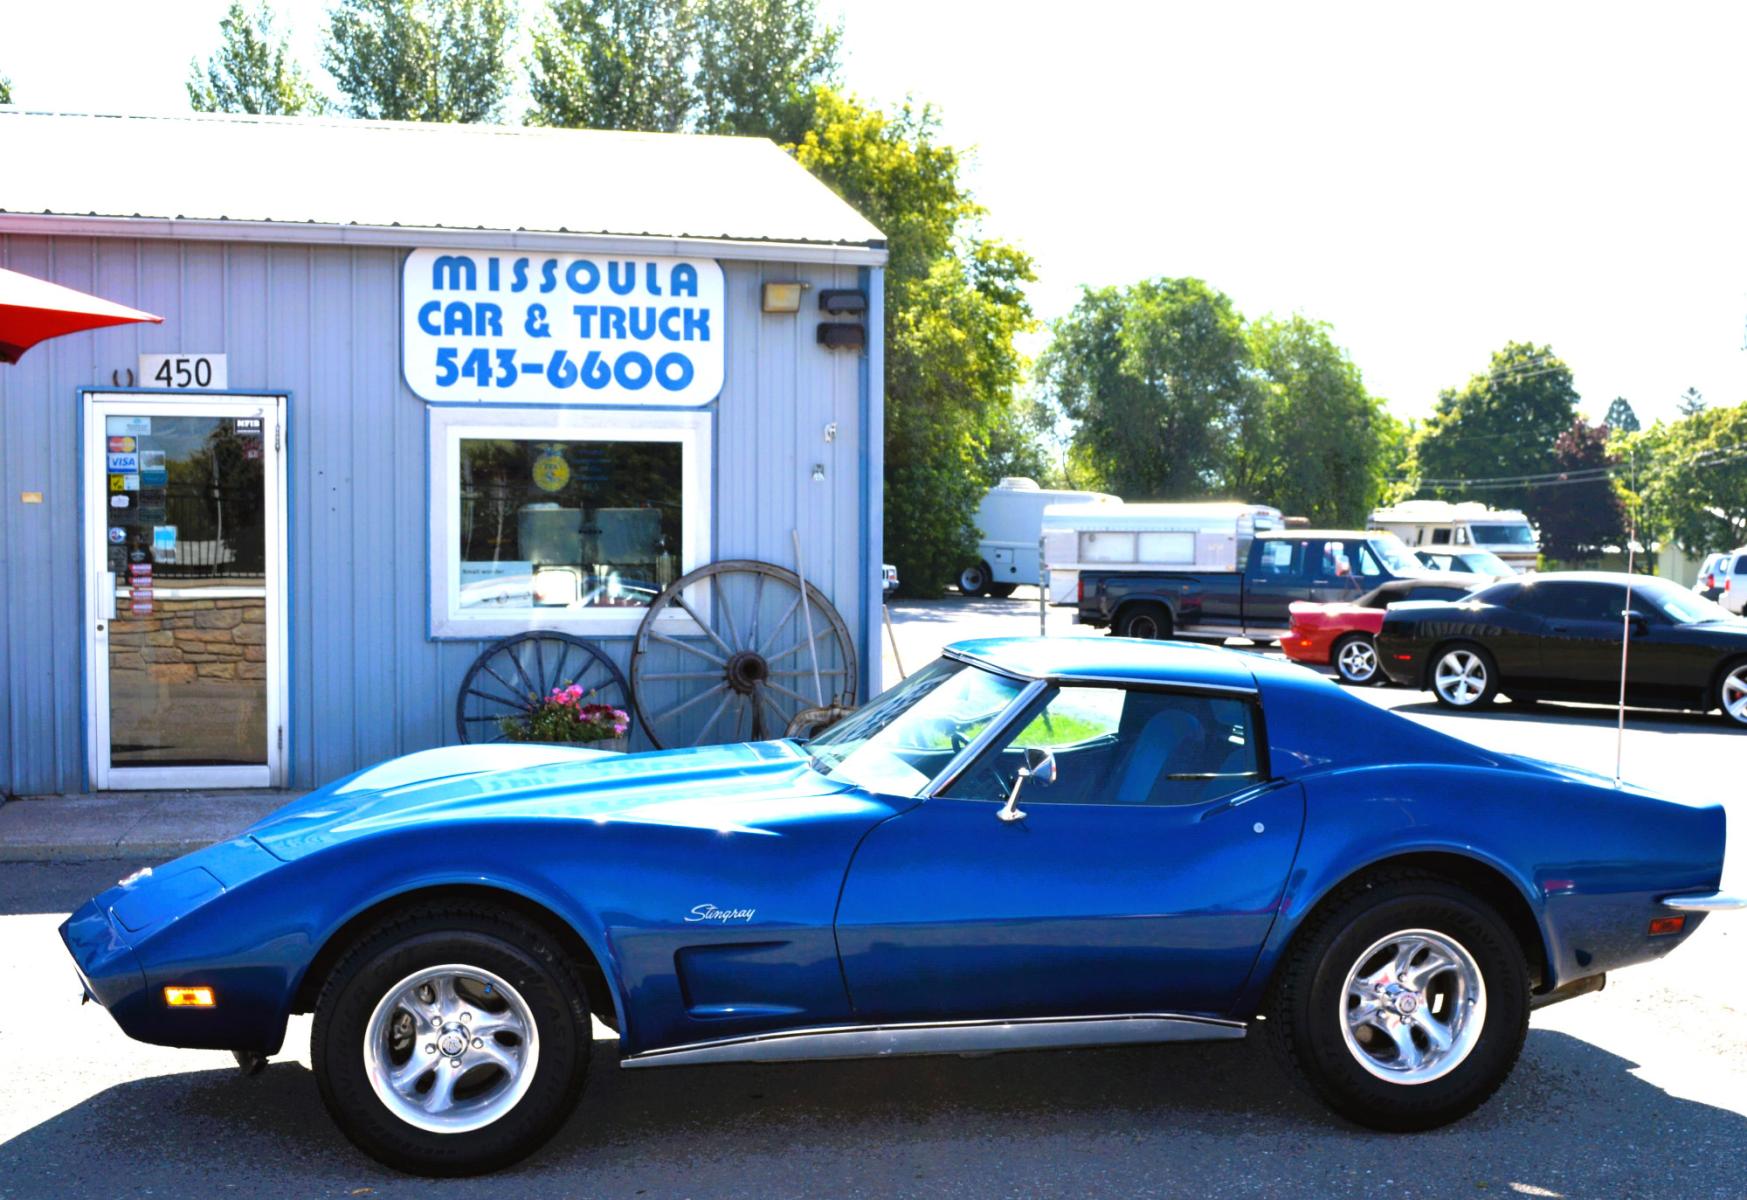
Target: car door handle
<point x="1558" y="629"/>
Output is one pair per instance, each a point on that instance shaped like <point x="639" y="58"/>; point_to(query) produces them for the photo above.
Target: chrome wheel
<point x="1413" y="1006"/>
<point x="1357" y="661"/>
<point x="1460" y="678"/>
<point x="1733" y="694"/>
<point x="451" y="1049"/>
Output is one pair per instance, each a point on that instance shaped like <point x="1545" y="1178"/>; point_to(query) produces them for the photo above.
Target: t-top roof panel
<point x="427" y="176"/>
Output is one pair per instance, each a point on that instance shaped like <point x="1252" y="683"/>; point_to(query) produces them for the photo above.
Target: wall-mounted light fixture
<point x="783" y="297"/>
<point x="843" y="300"/>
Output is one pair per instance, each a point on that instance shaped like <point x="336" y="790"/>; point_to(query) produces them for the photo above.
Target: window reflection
<point x="568" y="525"/>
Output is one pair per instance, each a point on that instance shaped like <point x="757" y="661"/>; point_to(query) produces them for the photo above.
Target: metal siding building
<point x="310" y="307"/>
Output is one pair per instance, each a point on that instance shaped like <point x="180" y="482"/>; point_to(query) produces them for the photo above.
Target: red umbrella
<point x="33" y="309"/>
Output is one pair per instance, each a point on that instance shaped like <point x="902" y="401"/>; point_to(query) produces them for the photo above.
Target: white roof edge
<point x="410" y="237"/>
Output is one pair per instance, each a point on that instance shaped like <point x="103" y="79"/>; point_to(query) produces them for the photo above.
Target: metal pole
<point x="1042" y="592"/>
<point x="1626" y="633"/>
<point x="807" y="616"/>
<point x="886" y="612"/>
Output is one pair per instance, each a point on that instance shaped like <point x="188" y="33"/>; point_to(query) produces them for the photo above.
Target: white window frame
<point x="691" y="429"/>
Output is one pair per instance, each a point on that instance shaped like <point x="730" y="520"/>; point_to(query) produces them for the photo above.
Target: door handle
<point x="106" y="605"/>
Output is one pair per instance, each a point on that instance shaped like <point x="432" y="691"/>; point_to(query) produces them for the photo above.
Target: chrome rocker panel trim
<point x="1706" y="902"/>
<point x="948" y="1037"/>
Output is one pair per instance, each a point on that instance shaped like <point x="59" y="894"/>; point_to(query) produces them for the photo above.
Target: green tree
<point x="1500" y="425"/>
<point x="1157" y="379"/>
<point x="5" y="90"/>
<point x="252" y="70"/>
<point x="1691" y="479"/>
<point x="1692" y="402"/>
<point x="759" y="65"/>
<point x="421" y="60"/>
<point x="1324" y="445"/>
<point x="954" y="306"/>
<point x="613" y="64"/>
<point x="1620" y="416"/>
<point x="1579" y="516"/>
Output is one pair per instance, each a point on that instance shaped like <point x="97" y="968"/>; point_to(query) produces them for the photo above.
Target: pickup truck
<point x="1282" y="566"/>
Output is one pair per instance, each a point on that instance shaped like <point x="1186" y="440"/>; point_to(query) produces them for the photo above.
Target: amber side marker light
<point x="188" y="997"/>
<point x="1662" y="925"/>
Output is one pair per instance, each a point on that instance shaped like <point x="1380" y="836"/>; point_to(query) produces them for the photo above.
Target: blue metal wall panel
<point x="321" y="323"/>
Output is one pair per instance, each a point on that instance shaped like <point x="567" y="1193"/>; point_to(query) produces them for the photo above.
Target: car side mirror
<point x="1637" y="621"/>
<point x="1039" y="765"/>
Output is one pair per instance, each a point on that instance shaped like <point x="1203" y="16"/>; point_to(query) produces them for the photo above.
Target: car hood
<point x="756" y="787"/>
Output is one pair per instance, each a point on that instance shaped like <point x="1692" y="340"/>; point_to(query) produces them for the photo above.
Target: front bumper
<point x="106" y="964"/>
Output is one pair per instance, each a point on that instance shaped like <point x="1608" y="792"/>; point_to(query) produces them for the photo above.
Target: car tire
<point x="1731" y="695"/>
<point x="1355" y="660"/>
<point x="460" y="967"/>
<point x="1002" y="590"/>
<point x="1371" y="1042"/>
<point x="1463" y="676"/>
<point x="1151" y="622"/>
<point x="974" y="581"/>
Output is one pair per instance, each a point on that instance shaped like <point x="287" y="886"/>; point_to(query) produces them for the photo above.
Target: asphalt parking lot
<point x="1640" y="1090"/>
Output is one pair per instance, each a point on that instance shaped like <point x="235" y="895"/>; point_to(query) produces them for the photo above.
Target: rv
<point x="1147" y="537"/>
<point x="1011" y="520"/>
<point x="1470" y="524"/>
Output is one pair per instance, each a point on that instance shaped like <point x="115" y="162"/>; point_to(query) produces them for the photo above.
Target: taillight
<point x="1079" y="590"/>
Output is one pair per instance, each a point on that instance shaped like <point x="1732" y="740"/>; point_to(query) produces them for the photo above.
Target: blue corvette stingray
<point x="1028" y="844"/>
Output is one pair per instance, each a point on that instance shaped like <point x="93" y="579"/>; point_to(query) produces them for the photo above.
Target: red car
<point x="1344" y="634"/>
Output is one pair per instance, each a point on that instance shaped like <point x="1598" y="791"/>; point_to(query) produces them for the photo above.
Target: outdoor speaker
<point x="843" y="300"/>
<point x="842" y="335"/>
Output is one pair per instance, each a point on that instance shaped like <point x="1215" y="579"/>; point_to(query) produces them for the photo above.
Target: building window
<point x="559" y="519"/>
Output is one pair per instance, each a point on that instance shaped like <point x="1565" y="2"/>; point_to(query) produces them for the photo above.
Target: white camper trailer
<point x="1145" y="537"/>
<point x="1466" y="525"/>
<point x="1011" y="518"/>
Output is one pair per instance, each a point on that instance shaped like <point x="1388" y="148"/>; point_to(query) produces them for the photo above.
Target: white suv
<point x="1731" y="576"/>
<point x="1707" y="584"/>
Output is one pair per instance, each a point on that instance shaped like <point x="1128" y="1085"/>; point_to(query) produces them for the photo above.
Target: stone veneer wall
<point x="185" y="640"/>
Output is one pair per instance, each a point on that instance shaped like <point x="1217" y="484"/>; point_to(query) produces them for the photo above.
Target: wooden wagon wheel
<point x="513" y="677"/>
<point x="725" y="654"/>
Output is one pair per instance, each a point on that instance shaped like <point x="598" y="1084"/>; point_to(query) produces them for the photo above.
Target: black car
<point x="1557" y="637"/>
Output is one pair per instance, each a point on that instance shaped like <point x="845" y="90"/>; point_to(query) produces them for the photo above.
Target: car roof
<point x="1102" y="658"/>
<point x="1618" y="578"/>
<point x="1290" y="535"/>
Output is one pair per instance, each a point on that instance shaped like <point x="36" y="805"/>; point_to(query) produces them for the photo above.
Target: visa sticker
<point x="124" y="463"/>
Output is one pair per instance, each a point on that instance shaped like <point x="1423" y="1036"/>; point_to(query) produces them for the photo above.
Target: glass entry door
<point x="185" y="580"/>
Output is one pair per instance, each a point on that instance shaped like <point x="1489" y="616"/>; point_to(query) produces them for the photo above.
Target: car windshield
<point x="1393" y="553"/>
<point x="903" y="738"/>
<point x="1513" y="533"/>
<point x="1485" y="562"/>
<point x="1680" y="605"/>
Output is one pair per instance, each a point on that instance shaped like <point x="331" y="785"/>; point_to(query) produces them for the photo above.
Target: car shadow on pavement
<point x="1573" y="1121"/>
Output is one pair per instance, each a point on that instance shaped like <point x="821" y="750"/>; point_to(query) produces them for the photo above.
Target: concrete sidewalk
<point x="151" y="825"/>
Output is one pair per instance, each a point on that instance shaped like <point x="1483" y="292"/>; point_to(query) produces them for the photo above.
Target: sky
<point x="1432" y="181"/>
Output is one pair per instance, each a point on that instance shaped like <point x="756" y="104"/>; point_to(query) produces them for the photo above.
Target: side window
<point x="1333" y="562"/>
<point x="1741" y="565"/>
<point x="1440" y="537"/>
<point x="1114" y="746"/>
<point x="1461" y="535"/>
<point x="1597" y="602"/>
<point x="1279" y="558"/>
<point x="1369" y="567"/>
